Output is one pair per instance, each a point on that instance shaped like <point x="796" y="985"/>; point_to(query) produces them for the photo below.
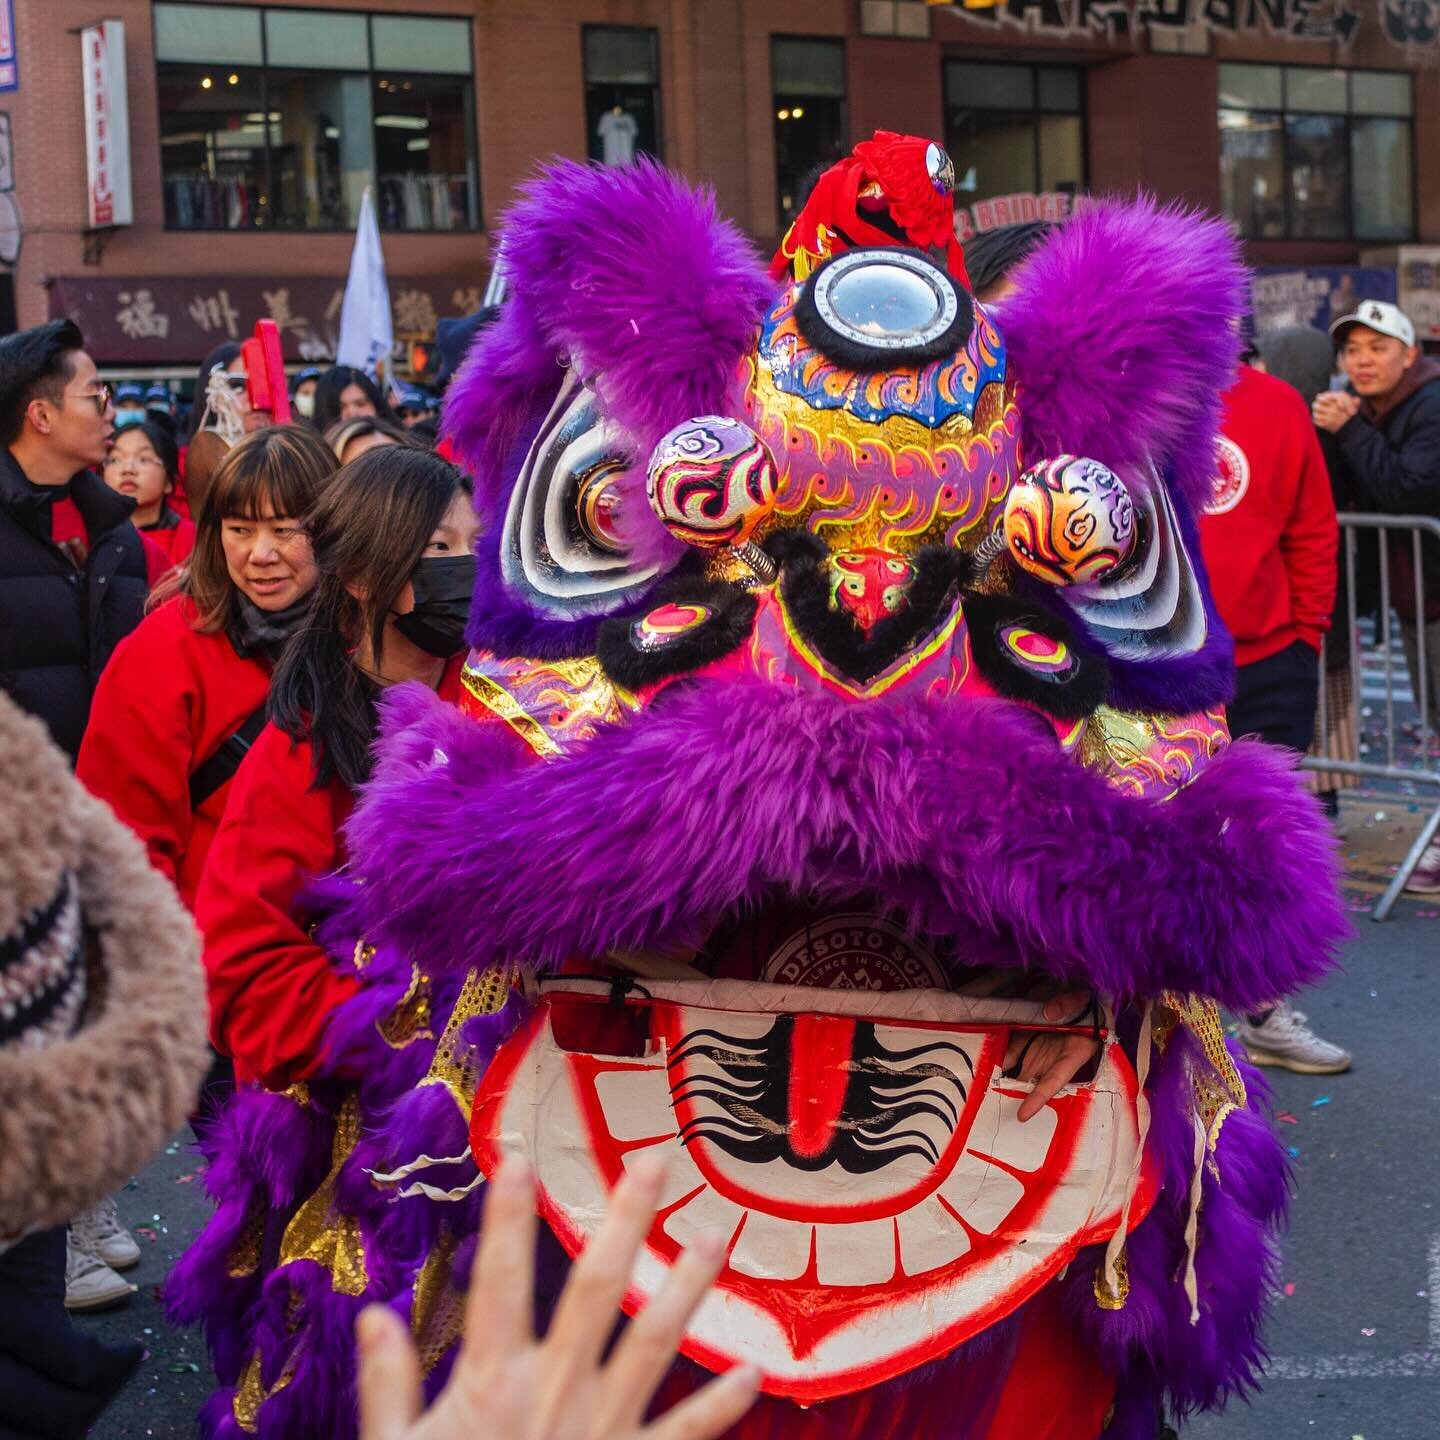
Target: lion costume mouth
<point x="860" y="1149"/>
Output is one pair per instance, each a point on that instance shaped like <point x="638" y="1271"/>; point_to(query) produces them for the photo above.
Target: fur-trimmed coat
<point x="84" y="1099"/>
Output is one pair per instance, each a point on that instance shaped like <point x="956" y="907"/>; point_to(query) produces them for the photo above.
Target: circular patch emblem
<point x="668" y="623"/>
<point x="1045" y="656"/>
<point x="1232" y="477"/>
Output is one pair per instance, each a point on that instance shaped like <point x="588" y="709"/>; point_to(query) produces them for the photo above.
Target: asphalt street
<point x="1356" y="1329"/>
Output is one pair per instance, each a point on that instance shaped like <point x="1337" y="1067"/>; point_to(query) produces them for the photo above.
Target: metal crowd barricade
<point x="1427" y="772"/>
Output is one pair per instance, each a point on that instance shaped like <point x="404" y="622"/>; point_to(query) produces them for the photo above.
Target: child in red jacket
<point x="144" y="465"/>
<point x="393" y="541"/>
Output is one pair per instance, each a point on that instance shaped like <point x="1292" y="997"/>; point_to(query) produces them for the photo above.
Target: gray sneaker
<point x="100" y="1232"/>
<point x="90" y="1284"/>
<point x="1284" y="1039"/>
<point x="1425" y="878"/>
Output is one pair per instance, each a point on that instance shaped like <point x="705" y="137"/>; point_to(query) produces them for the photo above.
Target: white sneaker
<point x="100" y="1232"/>
<point x="1425" y="878"/>
<point x="1284" y="1039"/>
<point x="90" y="1284"/>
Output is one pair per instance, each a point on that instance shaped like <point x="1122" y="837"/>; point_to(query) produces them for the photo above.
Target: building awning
<point x="172" y="319"/>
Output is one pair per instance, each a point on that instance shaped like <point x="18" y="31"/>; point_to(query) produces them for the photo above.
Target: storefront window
<point x="807" y="79"/>
<point x="325" y="104"/>
<point x="622" y="93"/>
<point x="1014" y="128"/>
<point x="1316" y="154"/>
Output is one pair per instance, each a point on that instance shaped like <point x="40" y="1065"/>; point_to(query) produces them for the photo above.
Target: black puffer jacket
<point x="1394" y="462"/>
<point x="58" y="624"/>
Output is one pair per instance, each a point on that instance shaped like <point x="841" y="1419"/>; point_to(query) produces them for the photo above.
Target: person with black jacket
<point x="73" y="573"/>
<point x="1388" y="434"/>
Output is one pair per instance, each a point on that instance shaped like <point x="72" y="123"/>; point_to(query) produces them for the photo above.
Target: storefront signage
<point x="175" y="319"/>
<point x="107" y="125"/>
<point x="1328" y="20"/>
<point x="1001" y="210"/>
<point x="9" y="69"/>
<point x="1282" y="296"/>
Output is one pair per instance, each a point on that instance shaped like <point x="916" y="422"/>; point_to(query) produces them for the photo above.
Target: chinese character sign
<point x="107" y="124"/>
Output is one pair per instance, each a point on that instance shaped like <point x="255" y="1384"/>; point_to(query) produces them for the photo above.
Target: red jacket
<point x="176" y="540"/>
<point x="168" y="699"/>
<point x="271" y="987"/>
<point x="1269" y="535"/>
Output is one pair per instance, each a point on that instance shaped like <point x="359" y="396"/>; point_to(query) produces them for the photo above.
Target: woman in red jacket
<point x="393" y="541"/>
<point x="144" y="464"/>
<point x="184" y="694"/>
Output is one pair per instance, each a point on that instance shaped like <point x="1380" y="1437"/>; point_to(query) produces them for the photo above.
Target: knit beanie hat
<point x="102" y="998"/>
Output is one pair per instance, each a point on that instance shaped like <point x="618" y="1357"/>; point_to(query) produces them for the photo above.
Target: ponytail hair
<point x="368" y="531"/>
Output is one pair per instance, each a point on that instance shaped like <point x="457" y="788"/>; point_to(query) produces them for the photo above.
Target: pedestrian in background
<point x="73" y="570"/>
<point x="144" y="465"/>
<point x="345" y="393"/>
<point x="302" y="391"/>
<point x="1388" y="434"/>
<point x="350" y="439"/>
<point x="1269" y="539"/>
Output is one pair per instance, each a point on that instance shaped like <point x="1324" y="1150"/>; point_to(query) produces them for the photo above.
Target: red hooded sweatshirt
<point x="1269" y="535"/>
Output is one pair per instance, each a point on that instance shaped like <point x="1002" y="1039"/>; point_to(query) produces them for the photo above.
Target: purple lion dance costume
<point x="845" y="685"/>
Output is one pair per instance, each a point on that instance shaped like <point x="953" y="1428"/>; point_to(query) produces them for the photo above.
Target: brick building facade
<point x="1314" y="123"/>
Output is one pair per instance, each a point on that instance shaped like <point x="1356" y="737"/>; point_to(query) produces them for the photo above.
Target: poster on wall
<point x="107" y="125"/>
<point x="9" y="68"/>
<point x="1286" y="295"/>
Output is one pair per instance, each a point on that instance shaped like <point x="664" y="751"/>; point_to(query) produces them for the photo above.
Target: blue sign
<point x="1286" y="295"/>
<point x="9" y="70"/>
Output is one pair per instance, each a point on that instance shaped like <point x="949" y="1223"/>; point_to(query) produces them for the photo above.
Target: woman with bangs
<point x="393" y="544"/>
<point x="184" y="695"/>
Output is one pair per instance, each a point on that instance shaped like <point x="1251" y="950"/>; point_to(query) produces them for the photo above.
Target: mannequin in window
<point x="617" y="132"/>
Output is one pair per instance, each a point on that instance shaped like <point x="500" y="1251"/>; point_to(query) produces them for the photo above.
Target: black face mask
<point x="443" y="585"/>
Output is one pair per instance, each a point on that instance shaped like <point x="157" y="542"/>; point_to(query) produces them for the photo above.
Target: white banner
<point x="367" y="333"/>
<point x="107" y="125"/>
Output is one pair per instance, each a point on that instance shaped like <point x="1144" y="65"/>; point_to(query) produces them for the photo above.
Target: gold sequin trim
<point x="496" y="698"/>
<point x="409" y="1021"/>
<point x="437" y="1310"/>
<point x="251" y="1394"/>
<point x="318" y="1232"/>
<point x="1105" y="1297"/>
<point x="483" y="993"/>
<point x="244" y="1256"/>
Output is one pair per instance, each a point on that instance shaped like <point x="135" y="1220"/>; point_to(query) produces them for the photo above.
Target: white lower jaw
<point x="904" y="1289"/>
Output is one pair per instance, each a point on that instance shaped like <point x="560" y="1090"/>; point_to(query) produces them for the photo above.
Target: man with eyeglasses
<point x="73" y="569"/>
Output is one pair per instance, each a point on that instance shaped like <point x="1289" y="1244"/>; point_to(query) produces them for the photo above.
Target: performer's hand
<point x="1332" y="409"/>
<point x="506" y="1385"/>
<point x="1051" y="1061"/>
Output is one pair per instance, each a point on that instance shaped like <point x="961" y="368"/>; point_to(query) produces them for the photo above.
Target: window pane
<point x="1322" y="90"/>
<point x="223" y="34"/>
<point x="212" y="147"/>
<point x="620" y="56"/>
<point x="319" y="148"/>
<point x="994" y="152"/>
<point x="436" y="47"/>
<point x="1318" y="170"/>
<point x="326" y="39"/>
<point x="1252" y="179"/>
<point x="1250" y="87"/>
<point x="990" y="87"/>
<point x="1062" y="162"/>
<point x="1380" y="155"/>
<point x="809" y="132"/>
<point x="1376" y="93"/>
<point x="1060" y="90"/>
<point x="808" y="67"/>
<point x="423" y="153"/>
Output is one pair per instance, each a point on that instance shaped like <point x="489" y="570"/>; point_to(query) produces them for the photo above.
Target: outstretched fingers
<point x="389" y="1376"/>
<point x="500" y="1308"/>
<point x="711" y="1411"/>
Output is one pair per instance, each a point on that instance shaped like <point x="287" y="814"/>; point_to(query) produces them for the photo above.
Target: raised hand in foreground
<point x="507" y="1385"/>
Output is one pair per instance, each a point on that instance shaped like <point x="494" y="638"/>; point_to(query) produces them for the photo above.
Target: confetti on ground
<point x="1318" y="1101"/>
<point x="185" y="1367"/>
<point x="1367" y="1331"/>
<point x="1290" y="1288"/>
<point x="1294" y="1151"/>
<point x="1286" y="1118"/>
<point x="185" y="1179"/>
<point x="147" y="1232"/>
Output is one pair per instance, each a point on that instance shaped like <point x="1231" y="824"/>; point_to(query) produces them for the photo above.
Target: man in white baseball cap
<point x="1388" y="435"/>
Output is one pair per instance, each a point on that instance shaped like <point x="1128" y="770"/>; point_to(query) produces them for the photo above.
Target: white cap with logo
<point x="1380" y="316"/>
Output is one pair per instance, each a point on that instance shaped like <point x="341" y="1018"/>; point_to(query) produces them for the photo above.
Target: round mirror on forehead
<point x="875" y="308"/>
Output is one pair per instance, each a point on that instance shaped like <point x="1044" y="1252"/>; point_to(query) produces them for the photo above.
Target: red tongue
<point x="820" y="1048"/>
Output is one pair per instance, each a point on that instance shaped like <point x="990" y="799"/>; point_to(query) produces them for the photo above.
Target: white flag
<point x="367" y="334"/>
